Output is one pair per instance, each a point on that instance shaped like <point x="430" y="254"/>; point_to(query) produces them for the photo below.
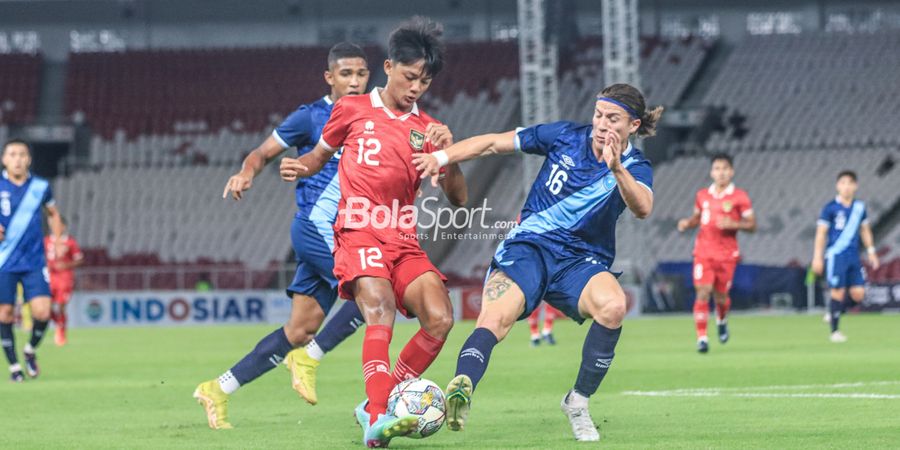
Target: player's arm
<point x="307" y="165"/>
<point x="818" y="261"/>
<point x="747" y="223"/>
<point x="690" y="222"/>
<point x="638" y="197"/>
<point x="452" y="180"/>
<point x="54" y="220"/>
<point x="474" y="147"/>
<point x="253" y="164"/>
<point x="868" y="240"/>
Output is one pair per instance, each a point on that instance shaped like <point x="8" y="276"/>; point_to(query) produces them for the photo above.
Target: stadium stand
<point x="20" y="80"/>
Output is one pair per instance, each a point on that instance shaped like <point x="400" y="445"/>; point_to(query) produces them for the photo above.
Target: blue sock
<point x="344" y="323"/>
<point x="836" y="308"/>
<point x="266" y="356"/>
<point x="8" y="339"/>
<point x="37" y="332"/>
<point x="475" y="354"/>
<point x="596" y="356"/>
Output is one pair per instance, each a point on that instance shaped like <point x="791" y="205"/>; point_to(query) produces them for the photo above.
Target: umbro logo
<point x="275" y="360"/>
<point x="603" y="363"/>
<point x="567" y="161"/>
<point x="472" y="353"/>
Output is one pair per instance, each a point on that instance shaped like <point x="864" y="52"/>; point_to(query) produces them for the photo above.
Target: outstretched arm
<point x="307" y="165"/>
<point x="474" y="147"/>
<point x="252" y="166"/>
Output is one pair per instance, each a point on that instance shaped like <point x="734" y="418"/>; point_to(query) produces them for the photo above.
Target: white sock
<point x="535" y="336"/>
<point x="314" y="351"/>
<point x="546" y="332"/>
<point x="15" y="368"/>
<point x="28" y="348"/>
<point x="228" y="383"/>
<point x="577" y="400"/>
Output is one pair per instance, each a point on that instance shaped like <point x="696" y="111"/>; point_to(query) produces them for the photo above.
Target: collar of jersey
<point x="728" y="190"/>
<point x="6" y="175"/>
<point x="378" y="103"/>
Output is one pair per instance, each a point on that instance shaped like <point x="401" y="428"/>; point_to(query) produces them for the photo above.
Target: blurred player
<point x="377" y="257"/>
<point x="842" y="224"/>
<point x="313" y="289"/>
<point x="563" y="248"/>
<point x="63" y="255"/>
<point x="22" y="196"/>
<point x="550" y="314"/>
<point x="721" y="210"/>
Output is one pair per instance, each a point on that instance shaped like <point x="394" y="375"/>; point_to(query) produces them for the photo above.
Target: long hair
<point x="631" y="96"/>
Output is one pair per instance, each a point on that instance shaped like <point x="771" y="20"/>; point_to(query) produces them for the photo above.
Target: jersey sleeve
<point x="865" y="215"/>
<point x="825" y="217"/>
<point x="539" y="139"/>
<point x="48" y="199"/>
<point x="643" y="174"/>
<point x="746" y="206"/>
<point x="75" y="250"/>
<point x="296" y="130"/>
<point x="337" y="127"/>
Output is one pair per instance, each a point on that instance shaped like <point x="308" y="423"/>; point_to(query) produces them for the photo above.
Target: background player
<point x="22" y="196"/>
<point x="63" y="256"/>
<point x="313" y="289"/>
<point x="378" y="260"/>
<point x="563" y="248"/>
<point x="721" y="210"/>
<point x="842" y="224"/>
<point x="550" y="314"/>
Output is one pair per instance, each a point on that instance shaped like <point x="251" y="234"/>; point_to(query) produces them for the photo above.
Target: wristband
<point x="871" y="250"/>
<point x="441" y="157"/>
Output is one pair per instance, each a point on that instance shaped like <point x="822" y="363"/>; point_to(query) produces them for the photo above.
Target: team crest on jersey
<point x="726" y="206"/>
<point x="416" y="139"/>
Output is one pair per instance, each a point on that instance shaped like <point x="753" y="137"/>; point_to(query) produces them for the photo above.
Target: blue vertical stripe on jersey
<point x="21" y="219"/>
<point x="849" y="233"/>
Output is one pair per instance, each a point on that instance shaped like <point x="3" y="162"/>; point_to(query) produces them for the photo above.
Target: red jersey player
<point x="377" y="257"/>
<point x="721" y="211"/>
<point x="63" y="255"/>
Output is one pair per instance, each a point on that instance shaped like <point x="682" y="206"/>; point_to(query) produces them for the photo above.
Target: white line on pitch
<point x="853" y="395"/>
<point x="717" y="390"/>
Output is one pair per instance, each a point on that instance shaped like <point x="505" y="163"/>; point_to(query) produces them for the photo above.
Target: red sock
<point x="377" y="368"/>
<point x="701" y="316"/>
<point x="548" y="322"/>
<point x="416" y="356"/>
<point x="533" y="321"/>
<point x="722" y="310"/>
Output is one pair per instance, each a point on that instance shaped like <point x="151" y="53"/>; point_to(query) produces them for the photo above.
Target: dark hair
<point x="722" y="157"/>
<point x="847" y="173"/>
<point x="420" y="38"/>
<point x="632" y="97"/>
<point x="16" y="141"/>
<point x="343" y="50"/>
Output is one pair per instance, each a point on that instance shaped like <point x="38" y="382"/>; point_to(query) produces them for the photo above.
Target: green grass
<point x="131" y="388"/>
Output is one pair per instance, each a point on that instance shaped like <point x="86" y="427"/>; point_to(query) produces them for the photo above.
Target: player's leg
<point x="342" y="325"/>
<point x="425" y="297"/>
<point x="533" y="320"/>
<point x="36" y="288"/>
<point x="835" y="311"/>
<point x="721" y="287"/>
<point x="704" y="277"/>
<point x="60" y="298"/>
<point x="8" y="283"/>
<point x="550" y="315"/>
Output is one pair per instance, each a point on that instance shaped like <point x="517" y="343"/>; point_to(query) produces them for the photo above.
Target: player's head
<point x="721" y="169"/>
<point x="621" y="109"/>
<point x="415" y="56"/>
<point x="348" y="70"/>
<point x="846" y="184"/>
<point x="16" y="157"/>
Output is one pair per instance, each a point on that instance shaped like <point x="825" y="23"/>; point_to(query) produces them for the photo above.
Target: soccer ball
<point x="420" y="398"/>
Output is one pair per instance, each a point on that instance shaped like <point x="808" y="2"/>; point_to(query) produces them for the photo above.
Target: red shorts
<point x="61" y="292"/>
<point x="358" y="253"/>
<point x="714" y="272"/>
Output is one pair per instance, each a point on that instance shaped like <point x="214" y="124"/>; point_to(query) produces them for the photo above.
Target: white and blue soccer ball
<point x="420" y="398"/>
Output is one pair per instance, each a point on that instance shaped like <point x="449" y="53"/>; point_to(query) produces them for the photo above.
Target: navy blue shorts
<point x="35" y="283"/>
<point x="543" y="274"/>
<point x="844" y="271"/>
<point x="313" y="242"/>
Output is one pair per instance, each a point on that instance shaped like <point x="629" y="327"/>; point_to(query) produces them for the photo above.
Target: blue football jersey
<point x="22" y="249"/>
<point x="318" y="195"/>
<point x="843" y="224"/>
<point x="574" y="202"/>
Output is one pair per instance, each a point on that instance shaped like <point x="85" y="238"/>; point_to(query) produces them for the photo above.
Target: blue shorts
<point x="35" y="283"/>
<point x="844" y="271"/>
<point x="313" y="242"/>
<point x="544" y="274"/>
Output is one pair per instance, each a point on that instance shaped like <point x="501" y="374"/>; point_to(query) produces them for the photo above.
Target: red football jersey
<point x="712" y="241"/>
<point x="70" y="253"/>
<point x="378" y="180"/>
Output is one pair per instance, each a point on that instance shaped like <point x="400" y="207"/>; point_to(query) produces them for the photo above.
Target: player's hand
<point x="612" y="151"/>
<point x="873" y="261"/>
<point x="818" y="266"/>
<point x="439" y="135"/>
<point x="727" y="223"/>
<point x="236" y="185"/>
<point x="683" y="225"/>
<point x="291" y="169"/>
<point x="428" y="165"/>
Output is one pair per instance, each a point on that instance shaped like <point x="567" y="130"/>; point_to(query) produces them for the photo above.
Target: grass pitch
<point x="779" y="383"/>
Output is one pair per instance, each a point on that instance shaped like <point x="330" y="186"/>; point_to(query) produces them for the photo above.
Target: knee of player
<point x="439" y="326"/>
<point x="612" y="311"/>
<point x="496" y="325"/>
<point x="297" y="335"/>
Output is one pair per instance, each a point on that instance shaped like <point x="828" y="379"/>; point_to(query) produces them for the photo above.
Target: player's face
<point x="16" y="159"/>
<point x="406" y="82"/>
<point x="347" y="76"/>
<point x="721" y="172"/>
<point x="846" y="187"/>
<point x="611" y="117"/>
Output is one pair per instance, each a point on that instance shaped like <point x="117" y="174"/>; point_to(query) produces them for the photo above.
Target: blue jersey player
<point x="313" y="289"/>
<point x="841" y="226"/>
<point x="564" y="246"/>
<point x="23" y="199"/>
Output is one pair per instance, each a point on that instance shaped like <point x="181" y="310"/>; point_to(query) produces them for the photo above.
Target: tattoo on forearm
<point x="496" y="287"/>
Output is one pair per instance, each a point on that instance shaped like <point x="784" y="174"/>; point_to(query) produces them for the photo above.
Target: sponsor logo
<point x="567" y="161"/>
<point x="472" y="353"/>
<point x="603" y="363"/>
<point x="370" y="127"/>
